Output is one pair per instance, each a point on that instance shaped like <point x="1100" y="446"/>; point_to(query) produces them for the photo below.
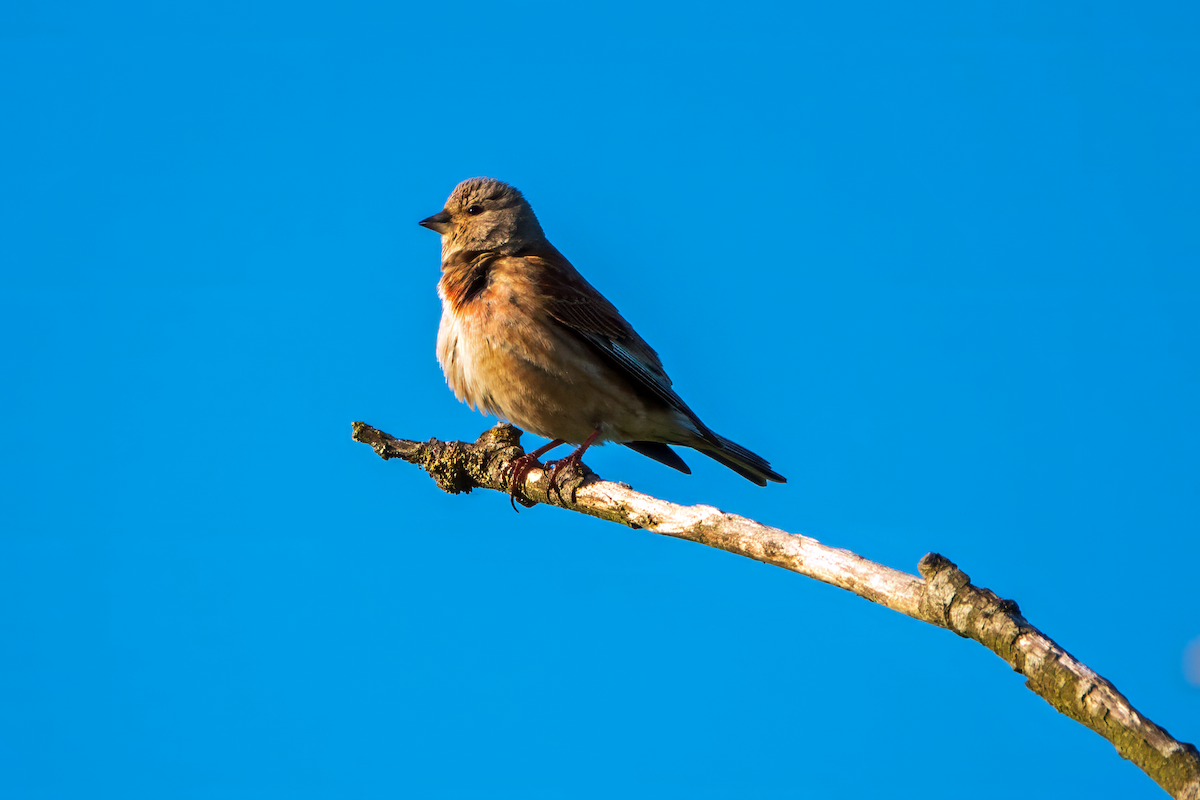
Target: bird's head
<point x="485" y="214"/>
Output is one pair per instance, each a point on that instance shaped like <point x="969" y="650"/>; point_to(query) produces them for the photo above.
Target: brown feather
<point x="464" y="276"/>
<point x="574" y="302"/>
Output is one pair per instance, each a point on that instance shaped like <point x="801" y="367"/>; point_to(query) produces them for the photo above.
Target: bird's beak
<point x="439" y="222"/>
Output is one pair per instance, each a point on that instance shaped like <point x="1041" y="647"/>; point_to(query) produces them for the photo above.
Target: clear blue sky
<point x="940" y="263"/>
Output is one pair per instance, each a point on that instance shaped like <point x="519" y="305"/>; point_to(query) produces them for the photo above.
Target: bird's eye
<point x="475" y="209"/>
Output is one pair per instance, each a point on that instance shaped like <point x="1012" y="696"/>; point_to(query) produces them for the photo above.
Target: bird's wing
<point x="578" y="306"/>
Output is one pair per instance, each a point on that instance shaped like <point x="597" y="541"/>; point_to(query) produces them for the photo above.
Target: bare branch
<point x="942" y="595"/>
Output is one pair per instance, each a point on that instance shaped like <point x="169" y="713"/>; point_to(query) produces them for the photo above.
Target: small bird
<point x="525" y="338"/>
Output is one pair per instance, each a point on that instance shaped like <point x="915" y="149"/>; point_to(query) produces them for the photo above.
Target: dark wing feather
<point x="660" y="453"/>
<point x="576" y="304"/>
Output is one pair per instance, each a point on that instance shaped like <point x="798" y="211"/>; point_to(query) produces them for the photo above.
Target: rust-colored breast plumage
<point x="464" y="275"/>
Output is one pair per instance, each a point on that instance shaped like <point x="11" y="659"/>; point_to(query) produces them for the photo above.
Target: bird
<point x="524" y="337"/>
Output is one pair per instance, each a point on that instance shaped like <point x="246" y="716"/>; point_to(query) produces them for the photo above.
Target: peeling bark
<point x="942" y="595"/>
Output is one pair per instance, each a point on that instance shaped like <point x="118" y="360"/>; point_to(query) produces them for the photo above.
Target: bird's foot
<point x="519" y="468"/>
<point x="569" y="463"/>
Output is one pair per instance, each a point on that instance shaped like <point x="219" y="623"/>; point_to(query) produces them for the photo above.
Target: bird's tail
<point x="750" y="466"/>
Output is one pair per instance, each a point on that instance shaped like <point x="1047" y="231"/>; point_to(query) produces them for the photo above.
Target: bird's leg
<point x="570" y="460"/>
<point x="520" y="467"/>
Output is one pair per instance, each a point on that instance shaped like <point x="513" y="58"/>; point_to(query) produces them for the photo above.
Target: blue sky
<point x="940" y="263"/>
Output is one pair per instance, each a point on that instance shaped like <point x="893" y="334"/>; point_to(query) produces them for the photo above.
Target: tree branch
<point x="942" y="595"/>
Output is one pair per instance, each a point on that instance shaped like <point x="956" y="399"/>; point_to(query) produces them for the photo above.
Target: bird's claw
<point x="519" y="468"/>
<point x="555" y="468"/>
